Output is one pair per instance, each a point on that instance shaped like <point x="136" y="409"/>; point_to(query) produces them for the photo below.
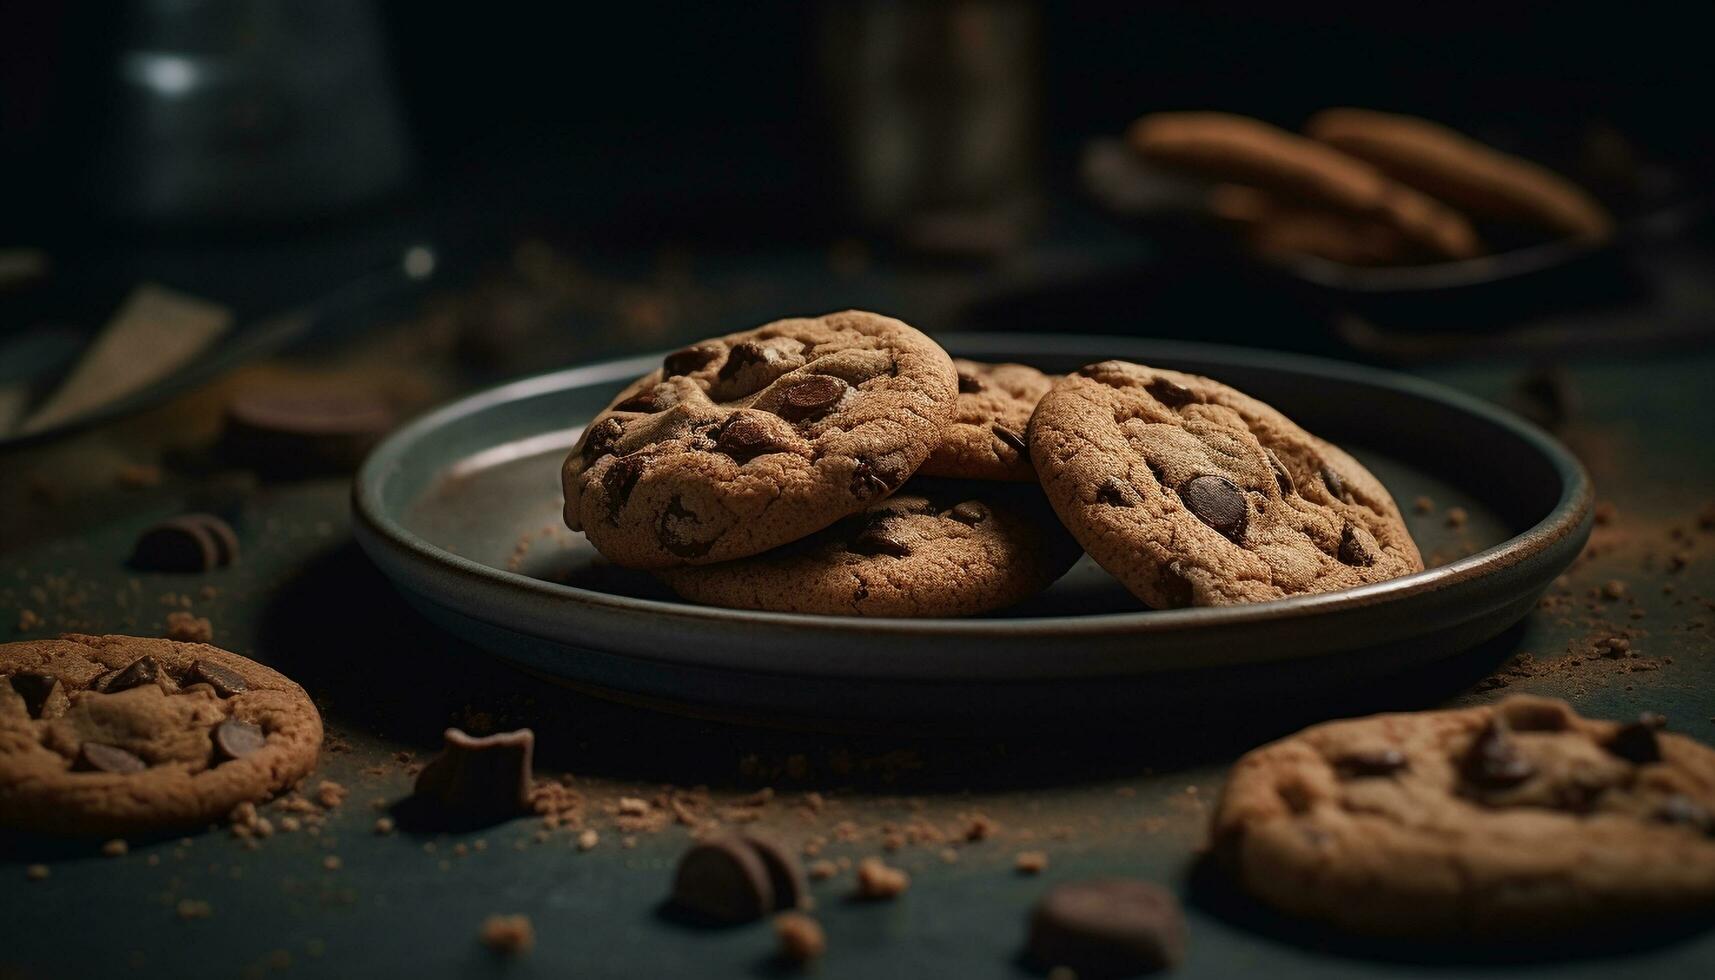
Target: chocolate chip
<point x="1117" y="493"/>
<point x="868" y="481"/>
<point x="1112" y="927"/>
<point x="643" y="401"/>
<point x="1493" y="760"/>
<point x="620" y="479"/>
<point x="742" y="356"/>
<point x="225" y="681"/>
<point x="602" y="437"/>
<point x="690" y="359"/>
<point x="1170" y="393"/>
<point x="36" y="690"/>
<point x="969" y="512"/>
<point x="1219" y="503"/>
<point x="745" y="437"/>
<point x="879" y="539"/>
<point x="234" y="739"/>
<point x="1371" y="762"/>
<point x="970" y="384"/>
<point x="177" y="545"/>
<point x="1336" y="486"/>
<point x="143" y="670"/>
<point x="96" y="757"/>
<point x="785" y="873"/>
<point x="1684" y="811"/>
<point x="723" y="880"/>
<point x="811" y="397"/>
<point x="1281" y="474"/>
<point x="478" y="780"/>
<point x="1636" y="743"/>
<point x="1009" y="437"/>
<point x="1353" y="551"/>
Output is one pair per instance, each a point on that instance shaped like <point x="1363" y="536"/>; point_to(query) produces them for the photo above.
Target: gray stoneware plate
<point x="461" y="509"/>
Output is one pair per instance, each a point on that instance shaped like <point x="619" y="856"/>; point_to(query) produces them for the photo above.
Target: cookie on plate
<point x="1194" y="494"/>
<point x="128" y="734"/>
<point x="1276" y="228"/>
<point x="932" y="549"/>
<point x="985" y="439"/>
<point x="1497" y="821"/>
<point x="1480" y="180"/>
<point x="744" y="443"/>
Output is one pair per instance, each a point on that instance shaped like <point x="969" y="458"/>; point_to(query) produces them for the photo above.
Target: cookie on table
<point x="1237" y="149"/>
<point x="746" y="442"/>
<point x="124" y="734"/>
<point x="1275" y="228"/>
<point x="932" y="549"/>
<point x="1194" y="494"/>
<point x="985" y="439"/>
<point x="1493" y="822"/>
<point x="1450" y="166"/>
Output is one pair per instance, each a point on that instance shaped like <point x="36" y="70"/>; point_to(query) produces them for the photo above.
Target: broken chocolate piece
<point x="785" y="873"/>
<point x="1493" y="761"/>
<point x="1170" y="393"/>
<point x="37" y="690"/>
<point x="1336" y="486"/>
<point x="479" y="780"/>
<point x="143" y="670"/>
<point x="226" y="682"/>
<point x="811" y="397"/>
<point x="1219" y="503"/>
<point x="1636" y="742"/>
<point x="603" y="437"/>
<point x="970" y="384"/>
<point x="969" y="512"/>
<point x="746" y="437"/>
<point x="1009" y="437"/>
<point x="1353" y="551"/>
<point x="1110" y="927"/>
<point x="723" y="880"/>
<point x="178" y="545"/>
<point x="234" y="739"/>
<point x="96" y="757"/>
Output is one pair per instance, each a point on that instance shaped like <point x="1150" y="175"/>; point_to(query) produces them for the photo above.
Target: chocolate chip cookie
<point x="744" y="443"/>
<point x="1497" y="821"/>
<point x="985" y="439"/>
<point x="932" y="549"/>
<point x="1480" y="180"/>
<point x="126" y="734"/>
<point x="1194" y="494"/>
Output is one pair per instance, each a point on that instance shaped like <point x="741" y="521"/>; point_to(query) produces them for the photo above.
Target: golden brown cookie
<point x="1450" y="166"/>
<point x="932" y="549"/>
<point x="127" y="734"/>
<point x="743" y="443"/>
<point x="1194" y="494"/>
<point x="985" y="439"/>
<point x="1504" y="821"/>
<point x="1246" y="151"/>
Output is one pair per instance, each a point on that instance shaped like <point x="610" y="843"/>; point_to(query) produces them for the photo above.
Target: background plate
<point x="461" y="509"/>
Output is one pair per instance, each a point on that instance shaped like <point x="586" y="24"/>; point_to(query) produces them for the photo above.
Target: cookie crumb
<point x="508" y="935"/>
<point x="332" y="862"/>
<point x="1614" y="589"/>
<point x="1031" y="862"/>
<point x="1424" y="505"/>
<point x="188" y="627"/>
<point x="588" y="840"/>
<point x="801" y="937"/>
<point x="28" y="619"/>
<point x="194" y="908"/>
<point x="877" y="881"/>
<point x="980" y="828"/>
<point x="330" y="794"/>
<point x="824" y="869"/>
<point x="949" y="856"/>
<point x="384" y="825"/>
<point x="37" y="872"/>
<point x="1457" y="517"/>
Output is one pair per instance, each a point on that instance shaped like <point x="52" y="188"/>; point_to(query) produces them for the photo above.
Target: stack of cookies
<point x="846" y="465"/>
<point x="1368" y="188"/>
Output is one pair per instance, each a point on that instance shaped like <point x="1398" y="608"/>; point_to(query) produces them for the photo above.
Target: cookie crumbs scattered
<point x="508" y="935"/>
<point x="188" y="627"/>
<point x="801" y="937"/>
<point x="1457" y="517"/>
<point x="877" y="881"/>
<point x="824" y="869"/>
<point x="383" y="825"/>
<point x="588" y="840"/>
<point x="28" y="619"/>
<point x="37" y="872"/>
<point x="1424" y="505"/>
<point x="194" y="908"/>
<point x="1031" y="862"/>
<point x="330" y="794"/>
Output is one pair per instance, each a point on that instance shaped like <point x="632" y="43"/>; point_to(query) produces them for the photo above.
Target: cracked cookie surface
<point x="746" y="442"/>
<point x="1194" y="494"/>
<point x="932" y="549"/>
<point x="1483" y="822"/>
<point x="985" y="438"/>
<point x="127" y="734"/>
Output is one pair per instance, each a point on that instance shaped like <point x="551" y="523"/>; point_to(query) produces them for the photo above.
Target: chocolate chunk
<point x="225" y="681"/>
<point x="1493" y="761"/>
<point x="970" y="384"/>
<point x="1009" y="437"/>
<point x="1281" y="475"/>
<point x="37" y="690"/>
<point x="969" y="512"/>
<point x="742" y="356"/>
<point x="1336" y="486"/>
<point x="302" y="432"/>
<point x="1353" y="551"/>
<point x="785" y="873"/>
<point x="1170" y="393"/>
<point x="643" y="401"/>
<point x="602" y="437"/>
<point x="1107" y="927"/>
<point x="673" y="520"/>
<point x="621" y="478"/>
<point x="478" y="780"/>
<point x="1117" y="493"/>
<point x="1636" y="743"/>
<point x="868" y="481"/>
<point x="221" y="533"/>
<point x="177" y="545"/>
<point x="96" y="757"/>
<point x="1684" y="811"/>
<point x="234" y="739"/>
<point x="879" y="539"/>
<point x="690" y="359"/>
<point x="1371" y="762"/>
<point x="1219" y="503"/>
<point x="143" y="670"/>
<point x="746" y="437"/>
<point x="723" y="880"/>
<point x="811" y="397"/>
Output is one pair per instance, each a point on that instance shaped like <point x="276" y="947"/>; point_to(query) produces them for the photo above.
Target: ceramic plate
<point x="461" y="509"/>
